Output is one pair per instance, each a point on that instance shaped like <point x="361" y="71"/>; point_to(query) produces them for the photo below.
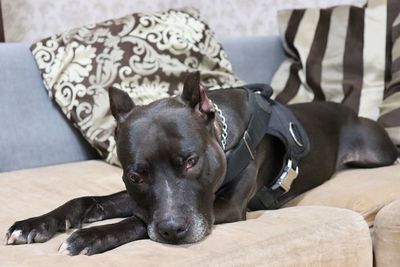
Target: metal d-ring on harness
<point x="267" y="118"/>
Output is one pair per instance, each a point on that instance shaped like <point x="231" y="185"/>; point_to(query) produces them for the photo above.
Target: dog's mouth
<point x="196" y="230"/>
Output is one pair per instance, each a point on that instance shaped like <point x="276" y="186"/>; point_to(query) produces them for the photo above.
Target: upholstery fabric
<point x="254" y="59"/>
<point x="300" y="236"/>
<point x="146" y="55"/>
<point x="386" y="235"/>
<point x="33" y="131"/>
<point x="365" y="191"/>
<point x="337" y="54"/>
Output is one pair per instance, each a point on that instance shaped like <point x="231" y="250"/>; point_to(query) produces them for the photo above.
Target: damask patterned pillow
<point x="146" y="55"/>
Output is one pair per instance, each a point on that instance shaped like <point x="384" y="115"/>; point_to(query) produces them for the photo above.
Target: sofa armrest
<point x="386" y="235"/>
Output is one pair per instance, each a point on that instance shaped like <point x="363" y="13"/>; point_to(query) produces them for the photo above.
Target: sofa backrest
<point x="33" y="131"/>
<point x="254" y="59"/>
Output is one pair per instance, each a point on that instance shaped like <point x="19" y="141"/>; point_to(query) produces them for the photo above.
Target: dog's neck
<point x="233" y="104"/>
<point x="220" y="127"/>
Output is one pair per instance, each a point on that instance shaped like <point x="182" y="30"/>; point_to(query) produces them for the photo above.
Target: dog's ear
<point x="191" y="89"/>
<point x="121" y="103"/>
<point x="196" y="96"/>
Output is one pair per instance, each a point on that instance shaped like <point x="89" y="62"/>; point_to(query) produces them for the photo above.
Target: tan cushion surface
<point x="300" y="236"/>
<point x="365" y="191"/>
<point x="386" y="235"/>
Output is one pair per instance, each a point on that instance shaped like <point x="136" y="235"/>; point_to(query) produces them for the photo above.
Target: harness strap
<point x="245" y="150"/>
<point x="272" y="118"/>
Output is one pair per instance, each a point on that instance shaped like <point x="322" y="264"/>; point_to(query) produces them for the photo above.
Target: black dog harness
<point x="268" y="118"/>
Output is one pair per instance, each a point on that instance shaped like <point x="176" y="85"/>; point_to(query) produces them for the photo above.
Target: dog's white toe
<point x="16" y="237"/>
<point x="64" y="249"/>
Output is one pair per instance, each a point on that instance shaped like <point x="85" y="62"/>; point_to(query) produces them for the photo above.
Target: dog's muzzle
<point x="173" y="230"/>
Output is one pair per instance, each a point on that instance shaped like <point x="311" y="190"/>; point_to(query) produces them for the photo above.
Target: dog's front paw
<point x="86" y="241"/>
<point x="37" y="229"/>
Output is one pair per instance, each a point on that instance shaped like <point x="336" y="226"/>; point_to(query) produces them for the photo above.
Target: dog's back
<point x="339" y="139"/>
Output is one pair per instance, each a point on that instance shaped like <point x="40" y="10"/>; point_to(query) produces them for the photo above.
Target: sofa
<point x="351" y="220"/>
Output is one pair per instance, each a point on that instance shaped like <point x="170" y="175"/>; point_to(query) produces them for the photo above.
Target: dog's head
<point x="172" y="161"/>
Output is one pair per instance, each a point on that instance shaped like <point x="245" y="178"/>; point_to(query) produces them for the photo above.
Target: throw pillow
<point x="335" y="54"/>
<point x="390" y="107"/>
<point x="146" y="55"/>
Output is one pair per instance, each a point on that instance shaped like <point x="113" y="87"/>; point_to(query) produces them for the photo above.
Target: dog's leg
<point x="70" y="215"/>
<point x="230" y="205"/>
<point x="93" y="240"/>
<point x="366" y="146"/>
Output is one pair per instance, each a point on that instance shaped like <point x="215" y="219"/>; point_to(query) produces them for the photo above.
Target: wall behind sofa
<point x="30" y="20"/>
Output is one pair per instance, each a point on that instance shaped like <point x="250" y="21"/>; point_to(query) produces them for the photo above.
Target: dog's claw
<point x="85" y="251"/>
<point x="11" y="240"/>
<point x="32" y="230"/>
<point x="67" y="225"/>
<point x="64" y="249"/>
<point x="15" y="238"/>
<point x="6" y="238"/>
<point x="31" y="237"/>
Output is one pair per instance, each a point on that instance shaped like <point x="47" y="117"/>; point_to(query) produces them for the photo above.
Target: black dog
<point x="190" y="162"/>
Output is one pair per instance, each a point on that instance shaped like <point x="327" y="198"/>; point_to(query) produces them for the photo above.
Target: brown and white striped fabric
<point x="338" y="54"/>
<point x="390" y="107"/>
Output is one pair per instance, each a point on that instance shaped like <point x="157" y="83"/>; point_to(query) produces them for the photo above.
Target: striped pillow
<point x="390" y="107"/>
<point x="336" y="54"/>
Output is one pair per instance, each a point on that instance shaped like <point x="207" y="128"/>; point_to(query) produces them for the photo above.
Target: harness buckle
<point x="287" y="177"/>
<point x="247" y="142"/>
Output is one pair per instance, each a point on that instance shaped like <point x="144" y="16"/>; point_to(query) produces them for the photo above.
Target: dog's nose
<point x="173" y="229"/>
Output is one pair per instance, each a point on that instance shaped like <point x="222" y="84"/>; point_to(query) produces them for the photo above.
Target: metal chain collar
<point x="224" y="132"/>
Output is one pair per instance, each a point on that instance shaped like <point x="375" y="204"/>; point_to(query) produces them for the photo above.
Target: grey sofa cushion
<point x="32" y="130"/>
<point x="254" y="59"/>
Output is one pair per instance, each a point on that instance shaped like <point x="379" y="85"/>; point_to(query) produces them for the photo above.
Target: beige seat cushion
<point x="386" y="235"/>
<point x="365" y="191"/>
<point x="300" y="236"/>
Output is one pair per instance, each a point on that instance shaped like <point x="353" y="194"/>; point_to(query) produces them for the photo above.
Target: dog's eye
<point x="135" y="178"/>
<point x="191" y="162"/>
